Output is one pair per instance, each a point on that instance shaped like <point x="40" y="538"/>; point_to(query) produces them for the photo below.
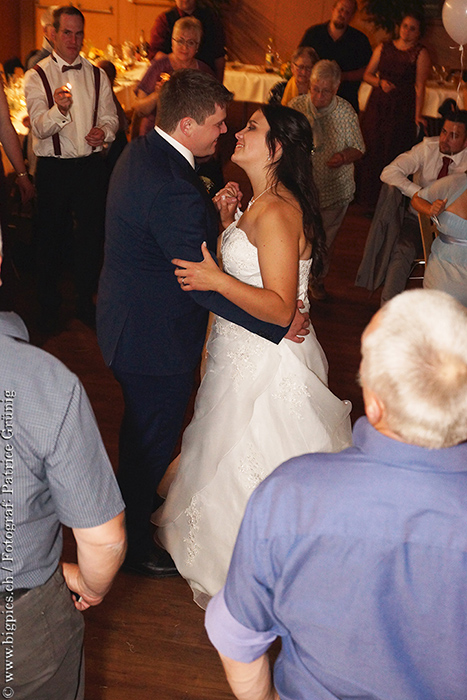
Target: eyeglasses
<point x="190" y="44"/>
<point x="325" y="92"/>
<point x="300" y="66"/>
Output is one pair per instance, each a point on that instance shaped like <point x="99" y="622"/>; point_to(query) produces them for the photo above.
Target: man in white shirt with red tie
<point x="72" y="115"/>
<point x="394" y="238"/>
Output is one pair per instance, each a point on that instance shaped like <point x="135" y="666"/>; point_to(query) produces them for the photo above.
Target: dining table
<point x="248" y="82"/>
<point x="126" y="82"/>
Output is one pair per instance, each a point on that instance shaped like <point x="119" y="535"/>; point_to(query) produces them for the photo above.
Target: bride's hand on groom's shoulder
<point x="299" y="327"/>
<point x="201" y="276"/>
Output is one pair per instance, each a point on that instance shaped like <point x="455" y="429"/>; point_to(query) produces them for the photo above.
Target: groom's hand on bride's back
<point x="299" y="327"/>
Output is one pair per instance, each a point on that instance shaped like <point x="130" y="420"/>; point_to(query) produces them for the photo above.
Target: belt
<point x="450" y="239"/>
<point x="62" y="159"/>
<point x="17" y="593"/>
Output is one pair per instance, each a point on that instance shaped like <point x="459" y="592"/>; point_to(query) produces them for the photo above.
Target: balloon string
<point x="459" y="84"/>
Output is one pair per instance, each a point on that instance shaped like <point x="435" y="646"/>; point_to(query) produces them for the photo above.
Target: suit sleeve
<point x="179" y="223"/>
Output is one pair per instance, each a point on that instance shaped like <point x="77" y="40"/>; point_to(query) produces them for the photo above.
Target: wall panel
<point x="248" y="25"/>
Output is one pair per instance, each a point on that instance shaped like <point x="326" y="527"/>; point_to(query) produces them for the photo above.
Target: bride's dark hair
<point x="292" y="130"/>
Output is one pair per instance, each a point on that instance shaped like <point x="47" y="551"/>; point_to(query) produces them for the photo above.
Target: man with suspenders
<point x="72" y="115"/>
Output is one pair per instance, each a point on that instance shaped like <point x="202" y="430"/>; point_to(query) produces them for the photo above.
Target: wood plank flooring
<point x="147" y="640"/>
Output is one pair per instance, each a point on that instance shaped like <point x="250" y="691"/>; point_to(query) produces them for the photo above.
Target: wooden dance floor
<point x="147" y="640"/>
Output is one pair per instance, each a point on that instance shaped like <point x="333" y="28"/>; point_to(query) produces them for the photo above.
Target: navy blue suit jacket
<point x="158" y="209"/>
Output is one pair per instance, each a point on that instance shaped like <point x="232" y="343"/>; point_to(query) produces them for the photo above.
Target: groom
<point x="151" y="333"/>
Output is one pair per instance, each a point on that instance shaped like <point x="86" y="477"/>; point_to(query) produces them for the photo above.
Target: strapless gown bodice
<point x="258" y="405"/>
<point x="240" y="259"/>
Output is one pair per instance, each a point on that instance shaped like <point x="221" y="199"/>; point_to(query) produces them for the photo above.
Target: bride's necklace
<point x="255" y="199"/>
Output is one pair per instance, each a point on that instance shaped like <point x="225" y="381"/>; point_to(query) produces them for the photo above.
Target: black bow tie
<point x="77" y="67"/>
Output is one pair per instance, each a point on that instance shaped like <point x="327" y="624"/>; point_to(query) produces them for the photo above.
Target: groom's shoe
<point x="156" y="564"/>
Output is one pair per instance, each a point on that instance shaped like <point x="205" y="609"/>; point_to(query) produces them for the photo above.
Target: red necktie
<point x="445" y="167"/>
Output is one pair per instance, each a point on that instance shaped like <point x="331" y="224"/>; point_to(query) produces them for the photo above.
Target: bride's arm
<point x="277" y="240"/>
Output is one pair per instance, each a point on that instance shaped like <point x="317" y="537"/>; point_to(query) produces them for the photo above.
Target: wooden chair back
<point x="428" y="232"/>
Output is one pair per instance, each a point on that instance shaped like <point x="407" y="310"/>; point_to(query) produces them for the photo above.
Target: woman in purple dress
<point x="397" y="71"/>
<point x="186" y="37"/>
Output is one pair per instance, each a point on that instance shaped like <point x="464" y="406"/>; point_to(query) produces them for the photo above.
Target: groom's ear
<point x="186" y="125"/>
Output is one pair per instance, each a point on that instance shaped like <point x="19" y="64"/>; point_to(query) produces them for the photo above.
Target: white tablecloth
<point x="125" y="84"/>
<point x="249" y="83"/>
<point x="435" y="95"/>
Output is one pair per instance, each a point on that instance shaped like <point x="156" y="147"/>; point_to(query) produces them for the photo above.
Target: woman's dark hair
<point x="10" y="64"/>
<point x="419" y="16"/>
<point x="292" y="130"/>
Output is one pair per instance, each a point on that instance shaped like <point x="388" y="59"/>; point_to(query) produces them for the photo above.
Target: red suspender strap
<point x="97" y="87"/>
<point x="50" y="100"/>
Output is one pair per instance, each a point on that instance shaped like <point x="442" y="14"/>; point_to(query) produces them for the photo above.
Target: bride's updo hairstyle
<point x="293" y="170"/>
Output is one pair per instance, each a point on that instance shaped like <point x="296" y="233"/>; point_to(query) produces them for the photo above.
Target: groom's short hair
<point x="189" y="93"/>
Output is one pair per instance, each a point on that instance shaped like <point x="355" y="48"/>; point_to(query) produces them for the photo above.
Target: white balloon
<point x="455" y="20"/>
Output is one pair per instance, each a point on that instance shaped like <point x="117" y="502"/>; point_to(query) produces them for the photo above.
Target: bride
<point x="259" y="403"/>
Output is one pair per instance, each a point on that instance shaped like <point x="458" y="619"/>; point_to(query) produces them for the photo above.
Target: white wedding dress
<point x="258" y="405"/>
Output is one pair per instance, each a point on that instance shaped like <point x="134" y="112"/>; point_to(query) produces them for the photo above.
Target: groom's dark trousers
<point x="151" y="333"/>
<point x="152" y="421"/>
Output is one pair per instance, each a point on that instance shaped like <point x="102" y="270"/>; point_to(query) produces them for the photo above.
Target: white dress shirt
<point x="183" y="150"/>
<point x="73" y="127"/>
<point x="424" y="161"/>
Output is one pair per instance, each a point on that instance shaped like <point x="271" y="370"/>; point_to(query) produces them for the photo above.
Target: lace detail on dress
<point x="251" y="467"/>
<point x="303" y="276"/>
<point x="293" y="394"/>
<point x="192" y="513"/>
<point x="240" y="257"/>
<point x="244" y="355"/>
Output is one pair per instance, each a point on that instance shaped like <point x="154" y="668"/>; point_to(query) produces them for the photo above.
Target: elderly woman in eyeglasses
<point x="338" y="143"/>
<point x="186" y="38"/>
<point x="303" y="60"/>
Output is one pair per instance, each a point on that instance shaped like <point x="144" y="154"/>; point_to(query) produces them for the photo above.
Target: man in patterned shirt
<point x="338" y="143"/>
<point x="54" y="471"/>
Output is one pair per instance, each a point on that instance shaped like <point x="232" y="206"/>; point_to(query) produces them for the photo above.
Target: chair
<point x="428" y="232"/>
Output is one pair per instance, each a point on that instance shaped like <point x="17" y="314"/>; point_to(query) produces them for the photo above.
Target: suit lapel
<point x="155" y="141"/>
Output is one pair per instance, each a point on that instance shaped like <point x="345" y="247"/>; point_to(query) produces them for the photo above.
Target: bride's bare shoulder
<point x="283" y="208"/>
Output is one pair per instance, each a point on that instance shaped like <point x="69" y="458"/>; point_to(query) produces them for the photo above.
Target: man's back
<point x="152" y="193"/>
<point x="358" y="563"/>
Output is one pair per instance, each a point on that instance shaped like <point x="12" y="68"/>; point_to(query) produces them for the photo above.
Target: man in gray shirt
<point x="53" y="470"/>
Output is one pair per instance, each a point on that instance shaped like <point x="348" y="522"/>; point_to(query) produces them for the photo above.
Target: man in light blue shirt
<point x="358" y="560"/>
